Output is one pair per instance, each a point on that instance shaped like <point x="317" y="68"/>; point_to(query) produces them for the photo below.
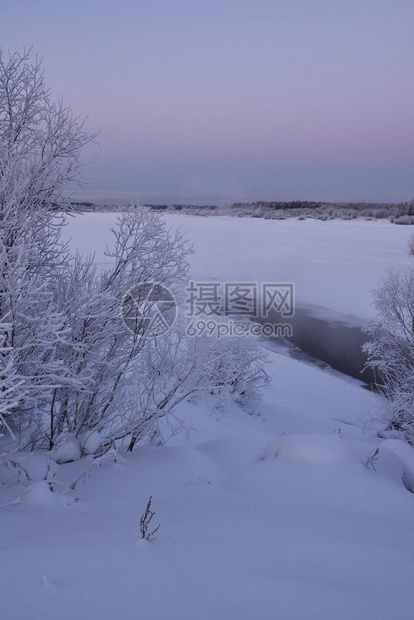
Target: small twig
<point x="11" y="463"/>
<point x="145" y="521"/>
<point x="371" y="460"/>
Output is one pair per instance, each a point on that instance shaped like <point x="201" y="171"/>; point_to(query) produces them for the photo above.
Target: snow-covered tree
<point x="390" y="350"/>
<point x="40" y="144"/>
<point x="40" y="140"/>
<point x="68" y="363"/>
<point x="100" y="351"/>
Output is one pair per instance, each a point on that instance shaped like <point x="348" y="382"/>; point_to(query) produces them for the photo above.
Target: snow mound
<point x="41" y="494"/>
<point x="90" y="442"/>
<point x="313" y="447"/>
<point x="333" y="450"/>
<point x="67" y="449"/>
<point x="405" y="454"/>
<point x="141" y="543"/>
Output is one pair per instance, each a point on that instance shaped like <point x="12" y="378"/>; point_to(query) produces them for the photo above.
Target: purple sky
<point x="216" y="101"/>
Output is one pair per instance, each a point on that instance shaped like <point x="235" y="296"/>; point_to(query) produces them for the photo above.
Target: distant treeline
<point x="401" y="213"/>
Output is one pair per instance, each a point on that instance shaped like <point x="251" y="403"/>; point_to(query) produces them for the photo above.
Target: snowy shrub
<point x="148" y="532"/>
<point x="73" y="378"/>
<point x="174" y="367"/>
<point x="40" y="143"/>
<point x="391" y="351"/>
<point x="64" y="351"/>
<point x="405" y="220"/>
<point x="44" y="363"/>
<point x="233" y="368"/>
<point x="99" y="351"/>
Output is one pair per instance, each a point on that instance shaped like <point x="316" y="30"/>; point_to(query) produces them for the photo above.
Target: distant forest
<point x="402" y="213"/>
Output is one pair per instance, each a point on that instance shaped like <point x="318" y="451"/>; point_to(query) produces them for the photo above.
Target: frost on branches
<point x="40" y="143"/>
<point x="68" y="365"/>
<point x="391" y="351"/>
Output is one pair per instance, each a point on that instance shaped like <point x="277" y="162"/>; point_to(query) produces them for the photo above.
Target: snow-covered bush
<point x="99" y="352"/>
<point x="72" y="376"/>
<point x="173" y="367"/>
<point x="232" y="367"/>
<point x="64" y="350"/>
<point x="405" y="220"/>
<point x="40" y="143"/>
<point x="391" y="350"/>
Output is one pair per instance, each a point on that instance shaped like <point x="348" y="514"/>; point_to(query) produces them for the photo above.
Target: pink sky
<point x="220" y="101"/>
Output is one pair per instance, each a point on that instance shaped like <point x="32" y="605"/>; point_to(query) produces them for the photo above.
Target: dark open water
<point x="329" y="336"/>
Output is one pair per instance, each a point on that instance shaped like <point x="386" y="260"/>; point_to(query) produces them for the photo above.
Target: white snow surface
<point x="277" y="515"/>
<point x="333" y="264"/>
